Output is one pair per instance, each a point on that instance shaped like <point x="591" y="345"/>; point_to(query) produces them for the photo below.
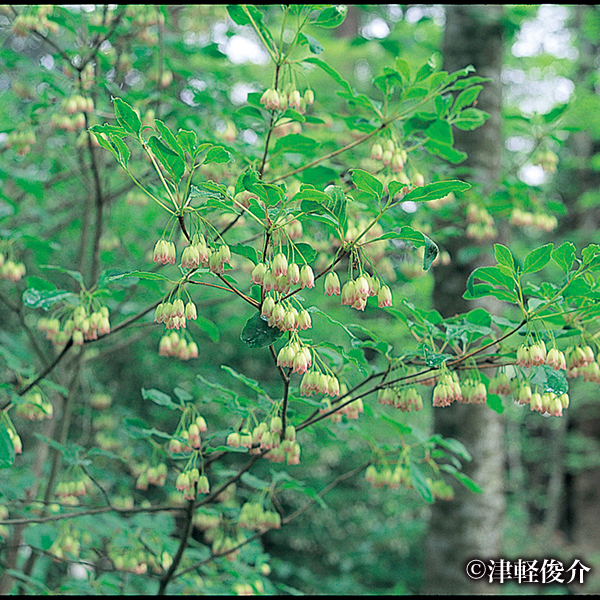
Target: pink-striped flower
<point x="307" y="277"/>
<point x="332" y="284"/>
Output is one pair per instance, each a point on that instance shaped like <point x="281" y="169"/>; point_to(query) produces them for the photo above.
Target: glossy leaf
<point x="444" y="151"/>
<point x="45" y="298"/>
<point x="564" y="256"/>
<point x="466" y="97"/>
<point x="435" y="191"/>
<point x="331" y="17"/>
<point x="537" y="259"/>
<point x="168" y="138"/>
<point x="430" y="254"/>
<point x="366" y="182"/>
<point x="127" y="117"/>
<point x="258" y="334"/>
<point x="504" y="256"/>
<point x="170" y="160"/>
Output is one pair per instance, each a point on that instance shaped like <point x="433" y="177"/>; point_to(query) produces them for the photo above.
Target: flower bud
<point x="280" y="265"/>
<point x="304" y="322"/>
<point x="293" y="274"/>
<point x="384" y="297"/>
<point x="294" y="100"/>
<point x="348" y="293"/>
<point x="190" y="258"/>
<point x="332" y="284"/>
<point x="307" y="277"/>
<point x="224" y="254"/>
<point x="270" y="99"/>
<point x="376" y="152"/>
<point x="258" y="274"/>
<point x="524" y="356"/>
<point x="267" y="307"/>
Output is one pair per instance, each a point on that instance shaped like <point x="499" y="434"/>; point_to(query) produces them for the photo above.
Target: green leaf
<point x="314" y="45"/>
<point x="330" y="71"/>
<point x="394" y="187"/>
<point x="494" y="276"/>
<point x="406" y="233"/>
<point x="44" y="298"/>
<point x="462" y="478"/>
<point x="258" y="334"/>
<point x="218" y="155"/>
<point x="333" y="201"/>
<point x="444" y="151"/>
<point x="504" y="257"/>
<point x="426" y="70"/>
<point x="246" y="251"/>
<point x="137" y="429"/>
<point x="466" y="98"/>
<point x="160" y="398"/>
<point x="139" y="275"/>
<point x="419" y="482"/>
<point x="430" y="254"/>
<point x="400" y="427"/>
<point x="306" y="251"/>
<point x="170" y="160"/>
<point x="556" y="381"/>
<point x="254" y="482"/>
<point x="70" y="452"/>
<point x="452" y="445"/>
<point x="441" y="132"/>
<point x="337" y="202"/>
<point x="435" y="359"/>
<point x="564" y="256"/>
<point x="7" y="449"/>
<point x="435" y="191"/>
<point x="366" y="182"/>
<point x="42" y="536"/>
<point x="76" y="275"/>
<point x="239" y="16"/>
<point x="470" y="118"/>
<point x="495" y="403"/>
<point x="294" y="142"/>
<point x="481" y="290"/>
<point x="591" y="255"/>
<point x="169" y="139"/>
<point x="251" y="383"/>
<point x="403" y="69"/>
<point x="127" y="117"/>
<point x="331" y="17"/>
<point x="187" y="140"/>
<point x="208" y="327"/>
<point x="537" y="259"/>
<point x="479" y="316"/>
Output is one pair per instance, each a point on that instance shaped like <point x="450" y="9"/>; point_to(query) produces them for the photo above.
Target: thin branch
<point x="284" y="521"/>
<point x="187" y="530"/>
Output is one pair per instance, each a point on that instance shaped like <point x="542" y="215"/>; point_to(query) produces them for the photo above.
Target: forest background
<point x="122" y="472"/>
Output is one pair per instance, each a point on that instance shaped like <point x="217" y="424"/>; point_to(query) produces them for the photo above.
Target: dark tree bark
<point x="470" y="525"/>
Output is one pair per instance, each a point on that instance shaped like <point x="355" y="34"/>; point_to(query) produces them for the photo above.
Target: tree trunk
<point x="582" y="497"/>
<point x="470" y="526"/>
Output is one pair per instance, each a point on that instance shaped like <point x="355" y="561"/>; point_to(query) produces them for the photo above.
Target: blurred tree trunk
<point x="470" y="525"/>
<point x="575" y="179"/>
